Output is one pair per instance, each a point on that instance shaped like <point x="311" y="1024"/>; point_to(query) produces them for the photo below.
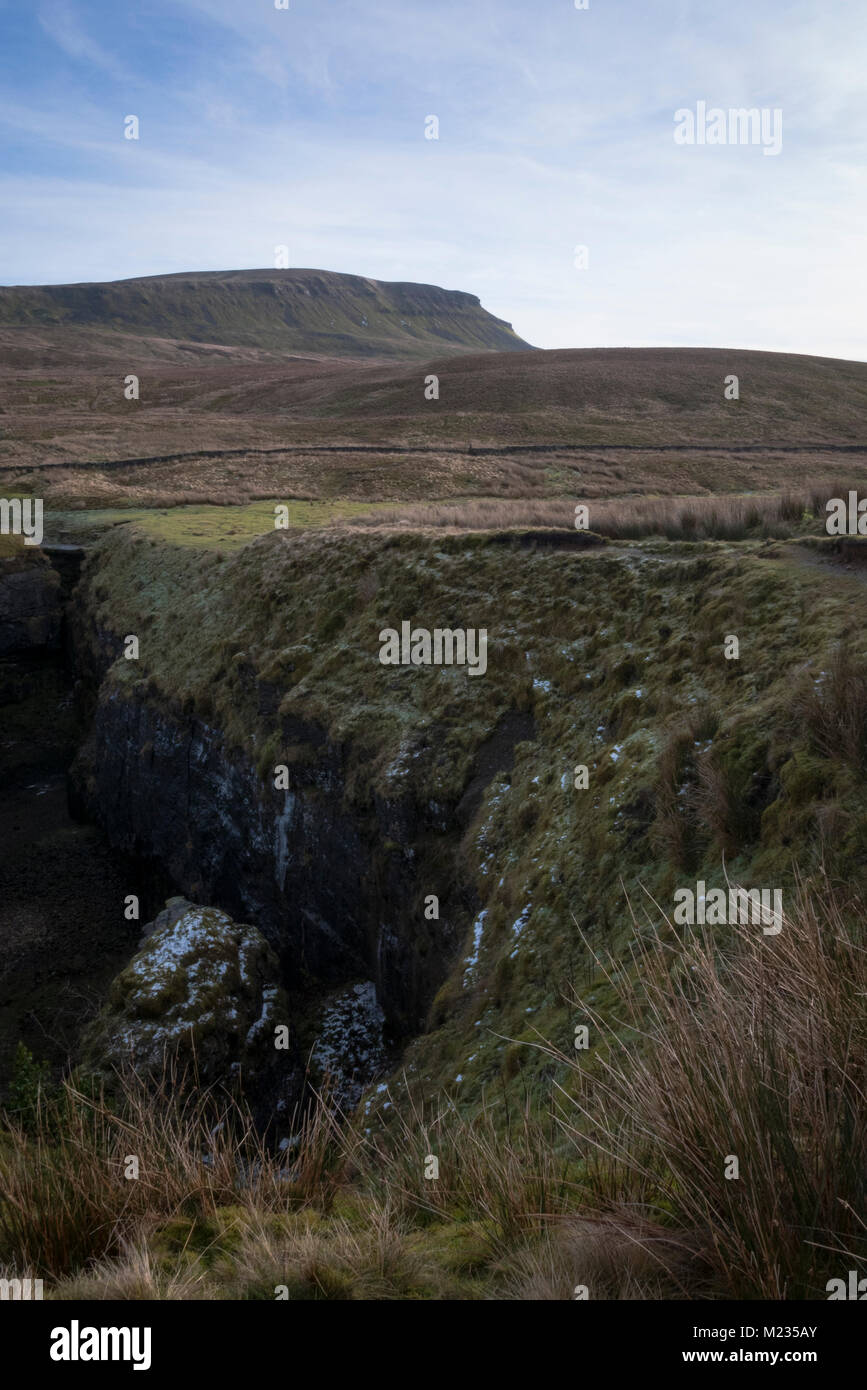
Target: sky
<point x="305" y="127"/>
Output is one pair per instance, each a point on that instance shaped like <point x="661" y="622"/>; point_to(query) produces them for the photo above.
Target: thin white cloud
<point x="60" y="22"/>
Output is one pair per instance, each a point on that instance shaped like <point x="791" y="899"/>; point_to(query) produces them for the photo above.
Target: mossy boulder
<point x="203" y="990"/>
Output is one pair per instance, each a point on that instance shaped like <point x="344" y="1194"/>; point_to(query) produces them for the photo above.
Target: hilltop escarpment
<point x="283" y="311"/>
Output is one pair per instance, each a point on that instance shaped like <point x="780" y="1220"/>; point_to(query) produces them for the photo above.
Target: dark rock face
<point x="62" y="887"/>
<point x="315" y="877"/>
<point x="30" y="603"/>
<point x="67" y="560"/>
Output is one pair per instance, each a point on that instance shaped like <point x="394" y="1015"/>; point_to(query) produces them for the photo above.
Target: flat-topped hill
<point x="319" y="311"/>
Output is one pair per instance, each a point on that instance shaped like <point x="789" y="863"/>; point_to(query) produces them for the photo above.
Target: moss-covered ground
<point x="697" y="765"/>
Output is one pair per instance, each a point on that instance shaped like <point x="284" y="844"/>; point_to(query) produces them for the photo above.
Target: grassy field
<point x="227" y="527"/>
<point x="207" y="527"/>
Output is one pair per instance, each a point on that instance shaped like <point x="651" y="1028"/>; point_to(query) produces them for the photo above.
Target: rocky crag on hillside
<point x="427" y="857"/>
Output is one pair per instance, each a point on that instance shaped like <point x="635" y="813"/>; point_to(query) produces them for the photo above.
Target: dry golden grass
<point x="611" y="1256"/>
<point x="66" y="1199"/>
<point x="755" y="1047"/>
<point x="716" y="517"/>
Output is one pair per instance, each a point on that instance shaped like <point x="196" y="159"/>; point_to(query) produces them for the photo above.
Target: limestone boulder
<point x="202" y="989"/>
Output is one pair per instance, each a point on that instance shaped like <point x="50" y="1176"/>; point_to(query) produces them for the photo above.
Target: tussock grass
<point x="619" y="1257"/>
<point x="501" y="1167"/>
<point x="737" y="517"/>
<point x="345" y="1260"/>
<point x="137" y="1274"/>
<point x="724" y="518"/>
<point x="66" y="1199"/>
<point x="753" y="1047"/>
<point x="833" y="708"/>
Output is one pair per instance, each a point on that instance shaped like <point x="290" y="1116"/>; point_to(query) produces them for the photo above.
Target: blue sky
<point x="306" y="128"/>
